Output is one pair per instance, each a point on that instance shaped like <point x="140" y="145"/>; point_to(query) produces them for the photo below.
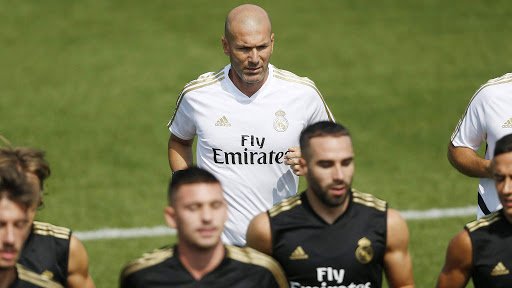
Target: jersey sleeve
<point x="317" y="109"/>
<point x="182" y="123"/>
<point x="471" y="129"/>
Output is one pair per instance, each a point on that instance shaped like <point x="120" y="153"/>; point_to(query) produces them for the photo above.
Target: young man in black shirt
<point x="198" y="211"/>
<point x="482" y="251"/>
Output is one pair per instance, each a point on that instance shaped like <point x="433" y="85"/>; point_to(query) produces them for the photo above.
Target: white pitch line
<point x="438" y="213"/>
<point x="122" y="233"/>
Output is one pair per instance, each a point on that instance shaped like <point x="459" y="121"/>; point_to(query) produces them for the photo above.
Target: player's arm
<point x="258" y="234"/>
<point x="292" y="158"/>
<point x="397" y="260"/>
<point x="458" y="263"/>
<point x="468" y="162"/>
<point x="78" y="266"/>
<point x="180" y="153"/>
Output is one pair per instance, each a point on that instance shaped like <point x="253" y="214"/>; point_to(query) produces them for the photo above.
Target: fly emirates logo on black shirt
<point x="327" y="275"/>
<point x="251" y="152"/>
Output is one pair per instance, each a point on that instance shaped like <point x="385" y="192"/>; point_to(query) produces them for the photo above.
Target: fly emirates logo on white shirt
<point x="329" y="274"/>
<point x="251" y="152"/>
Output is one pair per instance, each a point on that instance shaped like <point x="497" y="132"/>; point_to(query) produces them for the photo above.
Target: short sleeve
<point x="182" y="123"/>
<point x="471" y="129"/>
<point x="317" y="109"/>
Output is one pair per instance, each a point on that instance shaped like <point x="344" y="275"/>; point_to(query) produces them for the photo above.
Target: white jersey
<point x="487" y="119"/>
<point x="242" y="140"/>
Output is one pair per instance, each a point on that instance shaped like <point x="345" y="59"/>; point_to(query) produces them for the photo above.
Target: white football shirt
<point x="242" y="140"/>
<point x="487" y="119"/>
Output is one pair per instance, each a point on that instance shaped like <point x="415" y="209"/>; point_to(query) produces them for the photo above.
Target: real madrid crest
<point x="364" y="251"/>
<point x="280" y="123"/>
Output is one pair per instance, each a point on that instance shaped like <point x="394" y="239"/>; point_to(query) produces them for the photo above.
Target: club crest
<point x="280" y="122"/>
<point x="364" y="251"/>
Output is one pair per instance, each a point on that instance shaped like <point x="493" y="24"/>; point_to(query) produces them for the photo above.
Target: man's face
<point x="198" y="213"/>
<point x="14" y="229"/>
<point x="502" y="174"/>
<point x="330" y="168"/>
<point x="249" y="51"/>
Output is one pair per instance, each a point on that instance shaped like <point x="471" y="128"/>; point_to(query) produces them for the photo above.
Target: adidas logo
<point x="223" y="121"/>
<point x="507" y="124"/>
<point x="298" y="254"/>
<point x="47" y="274"/>
<point x="499" y="270"/>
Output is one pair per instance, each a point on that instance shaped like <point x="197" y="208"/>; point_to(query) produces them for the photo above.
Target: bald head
<point x="247" y="17"/>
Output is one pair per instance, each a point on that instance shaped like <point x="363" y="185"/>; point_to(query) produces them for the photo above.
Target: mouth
<point x="507" y="202"/>
<point x="253" y="70"/>
<point x="338" y="190"/>
<point x="8" y="255"/>
<point x="207" y="231"/>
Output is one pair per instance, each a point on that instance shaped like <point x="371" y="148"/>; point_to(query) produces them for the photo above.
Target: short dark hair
<point x="15" y="187"/>
<point x="190" y="175"/>
<point x="503" y="145"/>
<point x="320" y="129"/>
<point x="29" y="160"/>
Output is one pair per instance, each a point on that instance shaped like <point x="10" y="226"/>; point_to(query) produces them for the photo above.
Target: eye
<point x="262" y="47"/>
<point x="347" y="162"/>
<point x="217" y="204"/>
<point x="21" y="224"/>
<point x="192" y="207"/>
<point x="325" y="163"/>
<point x="499" y="178"/>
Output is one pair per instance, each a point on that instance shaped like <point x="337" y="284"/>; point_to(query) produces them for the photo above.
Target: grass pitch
<point x="94" y="83"/>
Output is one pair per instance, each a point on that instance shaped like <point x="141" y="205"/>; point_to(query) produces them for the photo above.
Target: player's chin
<point x="507" y="206"/>
<point x="253" y="78"/>
<point x="207" y="243"/>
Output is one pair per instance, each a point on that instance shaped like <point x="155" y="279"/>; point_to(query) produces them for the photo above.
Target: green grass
<point x="94" y="83"/>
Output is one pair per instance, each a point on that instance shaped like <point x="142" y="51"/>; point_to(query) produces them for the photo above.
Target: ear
<point x="225" y="45"/>
<point x="272" y="42"/>
<point x="170" y="217"/>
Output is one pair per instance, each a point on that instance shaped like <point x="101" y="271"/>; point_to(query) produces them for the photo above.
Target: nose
<point x="507" y="188"/>
<point x="9" y="235"/>
<point x="338" y="173"/>
<point x="206" y="214"/>
<point x="253" y="55"/>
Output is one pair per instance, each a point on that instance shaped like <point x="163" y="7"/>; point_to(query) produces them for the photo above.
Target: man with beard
<point x="198" y="211"/>
<point x="332" y="235"/>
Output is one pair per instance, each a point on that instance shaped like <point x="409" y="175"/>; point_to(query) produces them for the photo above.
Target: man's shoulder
<point x="47" y="229"/>
<point x="204" y="81"/>
<point x="37" y="280"/>
<point x="368" y="200"/>
<point x="495" y="85"/>
<point x="292" y="78"/>
<point x="285" y="205"/>
<point x="249" y="256"/>
<point x="486" y="221"/>
<point x="147" y="260"/>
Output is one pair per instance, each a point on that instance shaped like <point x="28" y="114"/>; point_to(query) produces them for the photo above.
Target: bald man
<point x="247" y="117"/>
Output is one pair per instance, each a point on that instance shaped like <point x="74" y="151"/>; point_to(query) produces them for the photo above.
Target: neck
<point x="200" y="262"/>
<point x="328" y="213"/>
<point x="7" y="277"/>
<point x="248" y="89"/>
<point x="507" y="216"/>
